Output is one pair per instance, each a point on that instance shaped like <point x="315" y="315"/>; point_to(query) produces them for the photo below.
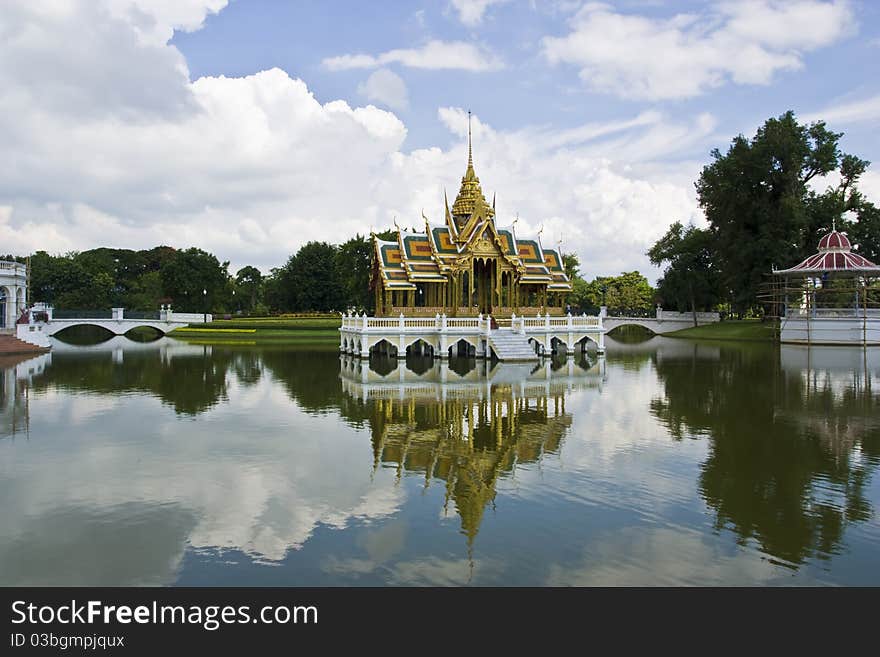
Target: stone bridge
<point x="42" y="322"/>
<point x="663" y="321"/>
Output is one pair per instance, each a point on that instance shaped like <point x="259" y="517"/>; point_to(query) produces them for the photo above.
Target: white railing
<point x="463" y="322"/>
<point x="436" y="323"/>
<point x="479" y="324"/>
<point x="673" y="315"/>
<point x="547" y="322"/>
<point x="189" y="318"/>
<point x="16" y="268"/>
<point x="380" y="323"/>
<point x="832" y="313"/>
<point x="165" y="314"/>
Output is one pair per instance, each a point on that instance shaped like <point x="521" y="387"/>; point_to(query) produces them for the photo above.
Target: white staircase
<point x="509" y="345"/>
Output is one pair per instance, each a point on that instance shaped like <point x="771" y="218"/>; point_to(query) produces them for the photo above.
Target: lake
<point x="668" y="462"/>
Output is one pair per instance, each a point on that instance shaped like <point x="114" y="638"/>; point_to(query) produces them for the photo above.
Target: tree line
<point x="762" y="212"/>
<point x="319" y="277"/>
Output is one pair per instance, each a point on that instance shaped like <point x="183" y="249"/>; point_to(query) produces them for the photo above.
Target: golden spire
<point x="470" y="150"/>
<point x="470" y="192"/>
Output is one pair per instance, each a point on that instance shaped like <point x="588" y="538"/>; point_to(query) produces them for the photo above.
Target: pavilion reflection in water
<point x="834" y="393"/>
<point x="466" y="424"/>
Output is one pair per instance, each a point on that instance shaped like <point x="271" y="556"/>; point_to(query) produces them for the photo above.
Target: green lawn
<point x="735" y="329"/>
<point x="276" y="323"/>
<point x="287" y="330"/>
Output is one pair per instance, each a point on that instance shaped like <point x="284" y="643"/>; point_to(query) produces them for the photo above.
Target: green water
<point x="666" y="462"/>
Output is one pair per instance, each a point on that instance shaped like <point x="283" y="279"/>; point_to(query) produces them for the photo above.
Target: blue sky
<point x="253" y="35"/>
<point x="249" y="127"/>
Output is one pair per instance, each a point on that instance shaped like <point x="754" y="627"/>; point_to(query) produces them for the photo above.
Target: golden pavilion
<point x="467" y="266"/>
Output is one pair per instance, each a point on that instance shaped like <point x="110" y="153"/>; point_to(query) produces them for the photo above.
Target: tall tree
<point x="571" y="264"/>
<point x="690" y="281"/>
<point x="628" y="292"/>
<point x="248" y="288"/>
<point x="195" y="280"/>
<point x="313" y="280"/>
<point x="755" y="199"/>
<point x="353" y="262"/>
<point x="865" y="231"/>
<point x="277" y="292"/>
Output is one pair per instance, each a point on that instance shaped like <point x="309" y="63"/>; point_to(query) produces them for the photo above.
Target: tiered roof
<point x="426" y="257"/>
<point x="391" y="266"/>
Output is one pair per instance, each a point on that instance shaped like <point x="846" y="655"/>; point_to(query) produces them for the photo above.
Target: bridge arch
<point x="463" y="347"/>
<point x="647" y="324"/>
<point x="538" y="346"/>
<point x="115" y="327"/>
<point x="70" y="330"/>
<point x="159" y="333"/>
<point x="418" y="346"/>
<point x="558" y="345"/>
<point x="383" y="347"/>
<point x="584" y="342"/>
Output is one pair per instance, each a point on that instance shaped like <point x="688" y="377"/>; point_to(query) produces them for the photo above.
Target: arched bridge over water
<point x="44" y="321"/>
<point x="663" y="321"/>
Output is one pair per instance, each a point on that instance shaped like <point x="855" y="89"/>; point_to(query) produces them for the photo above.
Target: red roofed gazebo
<point x="835" y="255"/>
<point x="822" y="308"/>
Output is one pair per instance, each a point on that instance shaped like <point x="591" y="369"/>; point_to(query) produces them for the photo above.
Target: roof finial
<point x="834" y="224"/>
<point x="470" y="150"/>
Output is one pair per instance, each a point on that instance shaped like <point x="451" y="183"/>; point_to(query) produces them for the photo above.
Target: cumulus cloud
<point x="642" y="57"/>
<point x="384" y="86"/>
<point x="433" y="55"/>
<point x="471" y="12"/>
<point x="251" y="168"/>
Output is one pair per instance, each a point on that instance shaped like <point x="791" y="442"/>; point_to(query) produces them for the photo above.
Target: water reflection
<point x="666" y="462"/>
<point x="793" y="439"/>
<point x="466" y="423"/>
<point x="189" y="378"/>
<point x="16" y="376"/>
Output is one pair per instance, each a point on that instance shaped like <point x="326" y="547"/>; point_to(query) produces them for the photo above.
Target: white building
<point x="13" y="292"/>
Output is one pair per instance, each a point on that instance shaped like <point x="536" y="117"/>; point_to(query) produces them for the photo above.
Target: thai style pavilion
<point x="468" y="265"/>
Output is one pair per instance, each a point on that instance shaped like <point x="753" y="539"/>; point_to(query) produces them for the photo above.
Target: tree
<point x="571" y="264"/>
<point x="758" y="205"/>
<point x="310" y="279"/>
<point x="353" y="262"/>
<point x="629" y="292"/>
<point x="865" y="232"/>
<point x="276" y="292"/>
<point x="690" y="280"/>
<point x="194" y="280"/>
<point x="248" y="287"/>
<point x="581" y="297"/>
